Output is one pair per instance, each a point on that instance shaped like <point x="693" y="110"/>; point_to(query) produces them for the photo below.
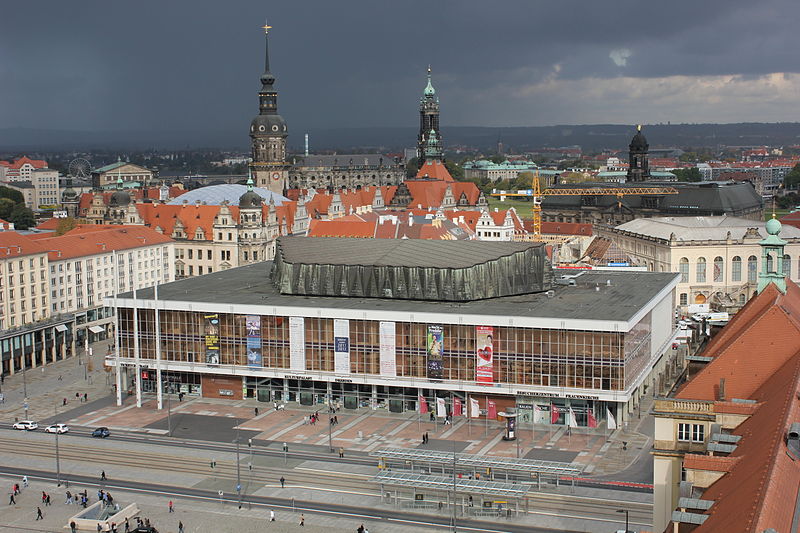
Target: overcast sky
<point x="181" y="64"/>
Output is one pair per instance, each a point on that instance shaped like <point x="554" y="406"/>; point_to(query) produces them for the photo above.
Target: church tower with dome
<point x="268" y="134"/>
<point x="429" y="139"/>
<point x="638" y="158"/>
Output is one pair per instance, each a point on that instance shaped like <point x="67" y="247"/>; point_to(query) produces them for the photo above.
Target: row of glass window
<point x="718" y="268"/>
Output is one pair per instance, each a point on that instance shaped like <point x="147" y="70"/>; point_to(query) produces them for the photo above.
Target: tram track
<point x="100" y="453"/>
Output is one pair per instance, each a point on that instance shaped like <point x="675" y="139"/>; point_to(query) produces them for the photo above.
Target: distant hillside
<point x="589" y="137"/>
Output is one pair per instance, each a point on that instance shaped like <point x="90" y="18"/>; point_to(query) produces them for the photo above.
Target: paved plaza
<point x="613" y="456"/>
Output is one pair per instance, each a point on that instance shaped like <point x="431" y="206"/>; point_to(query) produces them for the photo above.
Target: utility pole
<point x="238" y="470"/>
<point x="24" y="380"/>
<point x="169" y="409"/>
<point x="454" y="486"/>
<point x="58" y="456"/>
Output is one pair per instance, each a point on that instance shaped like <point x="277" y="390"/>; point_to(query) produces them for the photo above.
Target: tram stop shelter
<point x="475" y="466"/>
<point x="475" y="497"/>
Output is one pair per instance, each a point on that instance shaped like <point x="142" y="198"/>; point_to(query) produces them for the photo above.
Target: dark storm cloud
<point x="185" y="65"/>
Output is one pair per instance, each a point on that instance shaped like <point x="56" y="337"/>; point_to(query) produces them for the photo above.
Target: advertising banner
<point x="388" y="359"/>
<point x="253" y="323"/>
<point x="435" y="343"/>
<point x="297" y="343"/>
<point x="491" y="409"/>
<point x="457" y="406"/>
<point x="212" y="339"/>
<point x="441" y="408"/>
<point x="484" y="368"/>
<point x="423" y="405"/>
<point x="341" y="346"/>
<point x="474" y="408"/>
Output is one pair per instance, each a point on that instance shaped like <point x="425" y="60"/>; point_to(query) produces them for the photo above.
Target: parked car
<point x="57" y="428"/>
<point x="26" y="425"/>
<point x="101" y="433"/>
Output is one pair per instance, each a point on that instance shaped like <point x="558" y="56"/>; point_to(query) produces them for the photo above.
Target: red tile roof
<point x="341" y="228"/>
<point x="793" y="219"/>
<point x="709" y="462"/>
<point x="12" y="244"/>
<point x="768" y="325"/>
<point x="49" y="225"/>
<point x="83" y="243"/>
<point x="436" y="170"/>
<point x="17" y="164"/>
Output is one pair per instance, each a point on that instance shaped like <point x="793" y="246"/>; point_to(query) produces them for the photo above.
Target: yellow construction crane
<point x="536" y="193"/>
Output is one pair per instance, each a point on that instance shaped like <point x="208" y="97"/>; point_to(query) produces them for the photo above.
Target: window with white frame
<point x="684" y="432"/>
<point x="698" y="433"/>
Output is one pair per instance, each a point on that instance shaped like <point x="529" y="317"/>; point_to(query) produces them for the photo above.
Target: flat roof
<point x="607" y="296"/>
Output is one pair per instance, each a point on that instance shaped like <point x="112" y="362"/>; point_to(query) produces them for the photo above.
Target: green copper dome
<point x="773" y="226"/>
<point x="429" y="90"/>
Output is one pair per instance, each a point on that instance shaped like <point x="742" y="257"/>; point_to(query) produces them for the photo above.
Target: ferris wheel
<point x="79" y="168"/>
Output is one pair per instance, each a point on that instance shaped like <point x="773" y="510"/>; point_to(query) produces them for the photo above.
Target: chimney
<point x="722" y="389"/>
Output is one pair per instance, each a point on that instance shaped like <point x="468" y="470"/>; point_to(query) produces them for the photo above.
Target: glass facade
<point x="603" y="361"/>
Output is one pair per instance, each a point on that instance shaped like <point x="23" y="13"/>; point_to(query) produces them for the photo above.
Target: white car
<point x="57" y="428"/>
<point x="27" y="425"/>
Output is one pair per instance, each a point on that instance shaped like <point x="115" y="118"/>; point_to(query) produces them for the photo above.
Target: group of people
<point x="81" y="397"/>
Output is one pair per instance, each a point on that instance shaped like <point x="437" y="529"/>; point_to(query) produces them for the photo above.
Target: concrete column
<point x="285" y="390"/>
<point x="54" y="348"/>
<point x="136" y="354"/>
<point x="118" y="368"/>
<point x="159" y="393"/>
<point x="374" y="397"/>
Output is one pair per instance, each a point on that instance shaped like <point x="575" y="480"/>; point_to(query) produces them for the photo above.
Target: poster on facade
<point x="341" y="346"/>
<point x="441" y="408"/>
<point x="253" y="323"/>
<point x="388" y="358"/>
<point x="484" y="368"/>
<point x="297" y="343"/>
<point x="434" y="346"/>
<point x="457" y="406"/>
<point x="212" y="339"/>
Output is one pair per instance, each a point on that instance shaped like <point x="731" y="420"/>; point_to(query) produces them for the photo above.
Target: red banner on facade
<point x="484" y="368"/>
<point x="457" y="407"/>
<point x="554" y="413"/>
<point x="423" y="405"/>
<point x="491" y="409"/>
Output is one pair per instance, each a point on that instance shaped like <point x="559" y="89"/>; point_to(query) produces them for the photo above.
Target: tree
<point x="688" y="174"/>
<point x="22" y="217"/>
<point x="12" y="194"/>
<point x="6" y="206"/>
<point x="455" y="170"/>
<point x="412" y="167"/>
<point x="792" y="179"/>
<point x="65" y="225"/>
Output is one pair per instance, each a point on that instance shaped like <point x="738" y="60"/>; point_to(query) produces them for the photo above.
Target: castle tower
<point x="428" y="120"/>
<point x="638" y="164"/>
<point x="268" y="133"/>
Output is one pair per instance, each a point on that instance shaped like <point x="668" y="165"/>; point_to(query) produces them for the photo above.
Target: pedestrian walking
<point x="16" y="489"/>
<point x="335" y="420"/>
<point x="11" y="500"/>
<point x="360" y="529"/>
<point x="24" y="481"/>
<point x="47" y="500"/>
<point x="77" y="396"/>
<point x="85" y="396"/>
<point x="180" y="527"/>
<point x="103" y="475"/>
<point x="39" y="515"/>
<point x="73" y="527"/>
<point x="271" y="515"/>
<point x="68" y="498"/>
<point x="433" y="418"/>
<point x="283" y="482"/>
<point x="302" y="520"/>
<point x="64" y="402"/>
<point x="341" y="452"/>
<point x="44" y="496"/>
<point x="99" y="528"/>
<point x="127" y="525"/>
<point x="171" y="508"/>
<point x="256" y="411"/>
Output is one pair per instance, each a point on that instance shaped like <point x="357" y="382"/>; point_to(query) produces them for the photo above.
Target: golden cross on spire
<point x="638" y="127"/>
<point x="266" y="27"/>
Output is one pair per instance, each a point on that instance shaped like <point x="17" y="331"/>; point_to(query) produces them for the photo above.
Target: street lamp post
<point x="330" y="426"/>
<point x="169" y="410"/>
<point x="626" y="518"/>
<point x="24" y="382"/>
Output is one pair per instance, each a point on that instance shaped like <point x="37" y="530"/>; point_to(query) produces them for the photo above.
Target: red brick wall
<point x="226" y="387"/>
